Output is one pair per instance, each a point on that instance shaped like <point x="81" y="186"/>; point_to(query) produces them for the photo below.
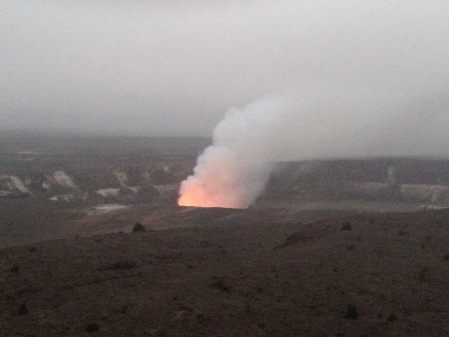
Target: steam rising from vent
<point x="323" y="124"/>
<point x="233" y="171"/>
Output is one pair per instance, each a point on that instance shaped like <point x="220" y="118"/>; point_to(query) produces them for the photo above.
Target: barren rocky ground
<point x="329" y="275"/>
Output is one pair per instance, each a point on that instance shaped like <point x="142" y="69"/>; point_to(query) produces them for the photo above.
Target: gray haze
<point x="175" y="67"/>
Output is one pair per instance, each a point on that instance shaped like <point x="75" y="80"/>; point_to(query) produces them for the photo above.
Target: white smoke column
<point x="341" y="122"/>
<point x="233" y="171"/>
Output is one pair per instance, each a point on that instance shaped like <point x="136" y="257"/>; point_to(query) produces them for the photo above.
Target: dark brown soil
<point x="239" y="278"/>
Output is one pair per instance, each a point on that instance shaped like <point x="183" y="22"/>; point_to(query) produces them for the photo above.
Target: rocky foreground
<point x="356" y="275"/>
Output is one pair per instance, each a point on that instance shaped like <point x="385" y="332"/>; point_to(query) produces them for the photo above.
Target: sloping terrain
<point x="348" y="275"/>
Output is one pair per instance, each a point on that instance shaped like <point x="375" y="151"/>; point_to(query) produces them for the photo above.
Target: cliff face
<point x="424" y="181"/>
<point x="84" y="185"/>
<point x="414" y="180"/>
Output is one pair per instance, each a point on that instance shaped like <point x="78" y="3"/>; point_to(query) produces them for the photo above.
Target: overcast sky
<point x="175" y="67"/>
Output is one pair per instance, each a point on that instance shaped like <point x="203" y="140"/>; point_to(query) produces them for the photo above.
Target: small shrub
<point x="402" y="232"/>
<point x="138" y="227"/>
<point x="32" y="249"/>
<point x="219" y="284"/>
<point x="426" y="243"/>
<point x="351" y="246"/>
<point x="92" y="327"/>
<point x="392" y="318"/>
<point x="121" y="265"/>
<point x="422" y="274"/>
<point x="346" y="226"/>
<point x="123" y="309"/>
<point x="351" y="312"/>
<point x="15" y="268"/>
<point x="23" y="310"/>
<point x="446" y="257"/>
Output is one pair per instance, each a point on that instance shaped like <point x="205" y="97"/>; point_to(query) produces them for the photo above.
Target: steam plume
<point x="323" y="124"/>
<point x="226" y="175"/>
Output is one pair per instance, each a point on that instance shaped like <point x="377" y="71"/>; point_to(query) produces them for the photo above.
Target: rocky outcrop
<point x="127" y="185"/>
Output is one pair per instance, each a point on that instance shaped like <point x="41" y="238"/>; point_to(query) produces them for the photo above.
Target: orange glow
<point x="196" y="197"/>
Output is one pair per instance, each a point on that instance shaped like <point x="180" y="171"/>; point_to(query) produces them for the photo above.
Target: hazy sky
<point x="175" y="67"/>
